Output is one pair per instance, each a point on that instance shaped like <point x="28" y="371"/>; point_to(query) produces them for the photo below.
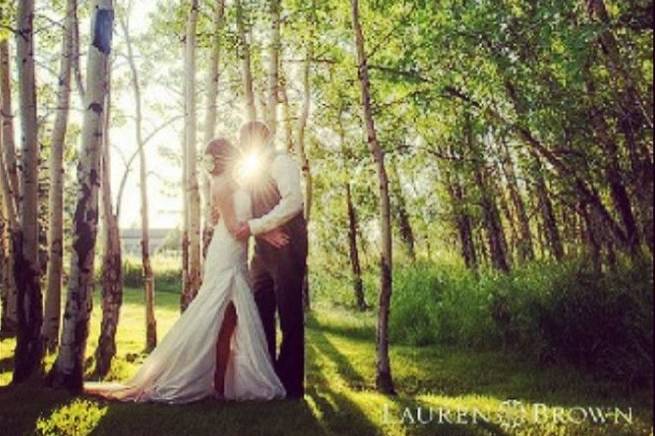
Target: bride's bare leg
<point x="223" y="347"/>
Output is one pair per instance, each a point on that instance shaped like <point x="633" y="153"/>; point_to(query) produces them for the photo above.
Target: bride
<point x="217" y="347"/>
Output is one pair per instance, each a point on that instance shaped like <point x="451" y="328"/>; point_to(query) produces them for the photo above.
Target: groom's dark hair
<point x="254" y="133"/>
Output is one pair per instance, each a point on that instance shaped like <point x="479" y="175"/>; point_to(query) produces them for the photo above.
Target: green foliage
<point x="552" y="312"/>
<point x="602" y="323"/>
<point x="438" y="305"/>
<point x="168" y="273"/>
<point x="7" y="19"/>
<point x="78" y="417"/>
<point x="331" y="281"/>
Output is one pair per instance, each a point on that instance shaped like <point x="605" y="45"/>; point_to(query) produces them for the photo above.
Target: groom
<point x="277" y="273"/>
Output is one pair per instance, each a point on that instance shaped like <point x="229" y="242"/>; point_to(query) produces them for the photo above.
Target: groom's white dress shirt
<point x="286" y="174"/>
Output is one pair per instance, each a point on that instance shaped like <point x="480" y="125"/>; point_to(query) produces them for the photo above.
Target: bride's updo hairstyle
<point x="221" y="156"/>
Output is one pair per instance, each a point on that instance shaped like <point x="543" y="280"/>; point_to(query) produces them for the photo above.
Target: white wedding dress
<point x="181" y="368"/>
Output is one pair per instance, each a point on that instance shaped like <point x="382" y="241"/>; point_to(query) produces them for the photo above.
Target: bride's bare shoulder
<point x="221" y="186"/>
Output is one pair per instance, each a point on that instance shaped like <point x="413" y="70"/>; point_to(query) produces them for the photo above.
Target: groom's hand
<point x="276" y="237"/>
<point x="243" y="231"/>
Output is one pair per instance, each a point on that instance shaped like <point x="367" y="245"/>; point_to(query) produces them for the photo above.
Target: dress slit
<point x="224" y="339"/>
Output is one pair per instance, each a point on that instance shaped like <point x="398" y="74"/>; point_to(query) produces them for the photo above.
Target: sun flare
<point x="250" y="164"/>
<point x="248" y="167"/>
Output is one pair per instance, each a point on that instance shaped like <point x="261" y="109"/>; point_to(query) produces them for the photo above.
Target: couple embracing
<point x="224" y="344"/>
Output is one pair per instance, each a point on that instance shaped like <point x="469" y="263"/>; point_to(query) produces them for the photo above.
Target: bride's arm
<point x="223" y="196"/>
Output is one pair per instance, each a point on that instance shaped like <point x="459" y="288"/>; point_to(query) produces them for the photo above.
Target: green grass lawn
<point x="340" y="396"/>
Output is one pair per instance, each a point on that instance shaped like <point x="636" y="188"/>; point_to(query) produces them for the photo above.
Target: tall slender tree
<point x="193" y="277"/>
<point x="300" y="144"/>
<point x="546" y="209"/>
<point x="112" y="268"/>
<point x="5" y="284"/>
<point x="146" y="266"/>
<point x="9" y="234"/>
<point x="77" y="70"/>
<point x="56" y="201"/>
<point x="213" y="75"/>
<point x="29" y="347"/>
<point x="288" y="118"/>
<point x="274" y="67"/>
<point x="7" y="118"/>
<point x="383" y="381"/>
<point x="461" y="217"/>
<point x="246" y="66"/>
<point x="488" y="201"/>
<point x="525" y="245"/>
<point x="302" y="153"/>
<point x="10" y="192"/>
<point x="68" y="368"/>
<point x="400" y="212"/>
<point x="353" y="223"/>
<point x="621" y="200"/>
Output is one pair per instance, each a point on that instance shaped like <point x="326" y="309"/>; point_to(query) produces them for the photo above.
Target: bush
<point x="167" y="270"/>
<point x="551" y="312"/>
<point x="602" y="323"/>
<point x="437" y="305"/>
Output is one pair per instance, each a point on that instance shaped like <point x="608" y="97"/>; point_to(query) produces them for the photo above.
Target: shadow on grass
<point x="455" y="372"/>
<point x="7" y="364"/>
<point x="342" y="415"/>
<point x="466" y="377"/>
<point x="321" y="344"/>
<point x="209" y="417"/>
<point x="359" y="330"/>
<point x="23" y="405"/>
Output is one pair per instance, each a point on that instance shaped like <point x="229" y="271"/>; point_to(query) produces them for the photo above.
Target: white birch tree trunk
<point x="146" y="266"/>
<point x="10" y="192"/>
<point x="68" y="368"/>
<point x="193" y="278"/>
<point x="288" y="118"/>
<point x="112" y="267"/>
<point x="302" y="155"/>
<point x="7" y="114"/>
<point x="29" y="349"/>
<point x="384" y="381"/>
<point x="246" y="70"/>
<point x="10" y="227"/>
<point x="273" y="69"/>
<point x="56" y="201"/>
<point x="213" y="75"/>
<point x="302" y="127"/>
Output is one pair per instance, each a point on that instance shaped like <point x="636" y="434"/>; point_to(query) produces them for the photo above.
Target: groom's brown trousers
<point x="277" y="279"/>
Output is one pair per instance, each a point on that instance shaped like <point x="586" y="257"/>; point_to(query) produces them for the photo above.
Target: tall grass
<point x="552" y="312"/>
